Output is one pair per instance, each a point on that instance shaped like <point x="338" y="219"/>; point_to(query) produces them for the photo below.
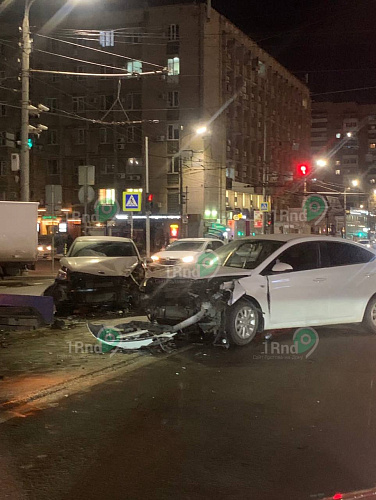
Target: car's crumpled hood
<point x="197" y="272"/>
<point x="101" y="266"/>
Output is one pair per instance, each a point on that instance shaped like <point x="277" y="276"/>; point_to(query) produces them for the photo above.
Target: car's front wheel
<point x="242" y="320"/>
<point x="369" y="318"/>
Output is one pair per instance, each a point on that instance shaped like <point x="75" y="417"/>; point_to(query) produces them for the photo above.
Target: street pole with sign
<point x="147" y="225"/>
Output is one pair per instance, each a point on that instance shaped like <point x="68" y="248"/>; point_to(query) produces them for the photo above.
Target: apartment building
<point x="345" y="134"/>
<point x="222" y="117"/>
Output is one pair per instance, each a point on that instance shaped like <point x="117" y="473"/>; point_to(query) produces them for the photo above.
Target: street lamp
<point x="321" y="162"/>
<point x="201" y="130"/>
<point x="355" y="182"/>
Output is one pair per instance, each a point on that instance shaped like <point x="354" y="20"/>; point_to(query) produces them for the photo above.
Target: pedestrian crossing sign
<point x="132" y="201"/>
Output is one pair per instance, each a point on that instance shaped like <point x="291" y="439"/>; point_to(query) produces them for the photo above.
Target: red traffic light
<point x="303" y="169"/>
<point x="150" y="197"/>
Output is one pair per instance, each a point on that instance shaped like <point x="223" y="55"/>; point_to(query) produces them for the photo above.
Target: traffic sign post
<point x="265" y="206"/>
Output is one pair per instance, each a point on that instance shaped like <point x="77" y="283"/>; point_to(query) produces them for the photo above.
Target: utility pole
<point x="345" y="212"/>
<point x="264" y="178"/>
<point x="147" y="225"/>
<point x="25" y="92"/>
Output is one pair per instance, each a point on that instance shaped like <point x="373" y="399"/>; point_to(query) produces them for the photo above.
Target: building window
<point x="107" y="196"/>
<point x="106" y="167"/>
<point x="173" y="132"/>
<point x="173" y="32"/>
<point x="105" y="71"/>
<point x="338" y="172"/>
<point x="52" y="45"/>
<point x="131" y="134"/>
<point x="107" y="38"/>
<point x="173" y="206"/>
<point x="134" y="66"/>
<point x="106" y="101"/>
<point x="78" y="103"/>
<point x="338" y="162"/>
<point x="53" y="167"/>
<point x="372" y="145"/>
<point x="173" y="66"/>
<point x="175" y="164"/>
<point x="52" y="104"/>
<point x="135" y="37"/>
<point x="338" y="135"/>
<point x="80" y="69"/>
<point x="3" y="168"/>
<point x="81" y="136"/>
<point x="133" y="101"/>
<point x="3" y="138"/>
<point x="173" y="99"/>
<point x="2" y="75"/>
<point x="3" y="110"/>
<point x="52" y="137"/>
<point x="104" y="136"/>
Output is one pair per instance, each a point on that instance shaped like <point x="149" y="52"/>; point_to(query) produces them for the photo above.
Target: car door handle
<point x="319" y="280"/>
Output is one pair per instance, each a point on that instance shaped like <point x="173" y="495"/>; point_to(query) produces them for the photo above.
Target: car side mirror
<point x="281" y="267"/>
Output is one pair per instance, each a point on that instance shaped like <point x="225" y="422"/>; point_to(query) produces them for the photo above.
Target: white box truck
<point x="18" y="236"/>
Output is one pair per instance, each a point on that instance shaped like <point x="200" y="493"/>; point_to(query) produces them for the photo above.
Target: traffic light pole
<point x="25" y="90"/>
<point x="147" y="226"/>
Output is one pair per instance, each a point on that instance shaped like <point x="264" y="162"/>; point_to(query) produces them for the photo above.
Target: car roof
<point x="103" y="238"/>
<point x="200" y="240"/>
<point x="295" y="237"/>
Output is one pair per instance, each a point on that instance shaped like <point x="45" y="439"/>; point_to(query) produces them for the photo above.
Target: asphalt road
<point x="207" y="423"/>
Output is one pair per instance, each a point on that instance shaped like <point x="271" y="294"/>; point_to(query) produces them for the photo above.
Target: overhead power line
<point x="100" y="51"/>
<point x="102" y="75"/>
<point x="81" y="60"/>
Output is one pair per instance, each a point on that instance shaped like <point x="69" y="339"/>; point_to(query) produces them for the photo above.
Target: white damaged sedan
<point x="270" y="282"/>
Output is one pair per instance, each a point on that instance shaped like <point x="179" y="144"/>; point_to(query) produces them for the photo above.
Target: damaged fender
<point x="237" y="291"/>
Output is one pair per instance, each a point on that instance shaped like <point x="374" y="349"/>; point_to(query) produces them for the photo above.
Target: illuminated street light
<point x="355" y="182"/>
<point x="321" y="162"/>
<point x="349" y="134"/>
<point x="201" y="130"/>
<point x="374" y="192"/>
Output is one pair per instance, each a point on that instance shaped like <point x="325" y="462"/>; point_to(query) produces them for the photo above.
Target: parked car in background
<point x="184" y="251"/>
<point x="270" y="282"/>
<point x="98" y="271"/>
<point x="366" y="243"/>
<point x="44" y="247"/>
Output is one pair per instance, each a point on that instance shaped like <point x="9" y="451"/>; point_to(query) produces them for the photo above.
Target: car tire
<point x="369" y="318"/>
<point x="242" y="321"/>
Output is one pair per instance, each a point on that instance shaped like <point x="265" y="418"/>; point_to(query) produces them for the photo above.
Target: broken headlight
<point x="62" y="273"/>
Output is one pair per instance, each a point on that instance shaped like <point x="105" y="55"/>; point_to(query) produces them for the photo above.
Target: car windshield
<point x="185" y="246"/>
<point x="102" y="249"/>
<point x="247" y="254"/>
